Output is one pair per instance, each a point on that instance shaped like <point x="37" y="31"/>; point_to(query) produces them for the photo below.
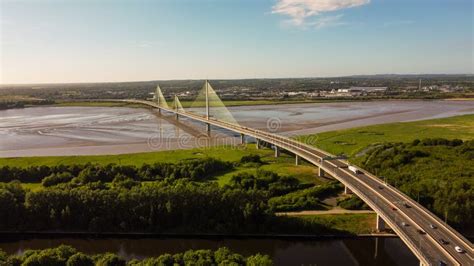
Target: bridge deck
<point x="380" y="197"/>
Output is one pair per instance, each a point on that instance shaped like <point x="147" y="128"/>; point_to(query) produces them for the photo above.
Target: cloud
<point x="300" y="10"/>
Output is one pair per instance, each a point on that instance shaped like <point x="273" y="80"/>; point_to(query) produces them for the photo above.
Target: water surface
<point x="43" y="131"/>
<point x="358" y="251"/>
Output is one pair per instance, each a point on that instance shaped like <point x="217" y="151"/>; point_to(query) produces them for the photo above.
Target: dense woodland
<point x="438" y="173"/>
<point x="69" y="256"/>
<point x="154" y="198"/>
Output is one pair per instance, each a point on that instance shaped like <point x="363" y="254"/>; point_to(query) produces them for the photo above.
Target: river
<point x="49" y="131"/>
<point x="354" y="251"/>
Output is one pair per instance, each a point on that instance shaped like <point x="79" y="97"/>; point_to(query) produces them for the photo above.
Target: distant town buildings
<point x="354" y="91"/>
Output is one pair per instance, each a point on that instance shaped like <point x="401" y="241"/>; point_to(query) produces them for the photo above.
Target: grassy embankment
<point x="423" y="159"/>
<point x="352" y="141"/>
<point x="352" y="223"/>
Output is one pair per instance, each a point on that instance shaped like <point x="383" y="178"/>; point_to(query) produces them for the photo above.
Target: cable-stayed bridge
<point x="428" y="237"/>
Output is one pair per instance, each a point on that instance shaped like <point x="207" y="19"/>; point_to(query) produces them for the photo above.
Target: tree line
<point x="195" y="169"/>
<point x="156" y="207"/>
<point x="438" y="173"/>
<point x="69" y="256"/>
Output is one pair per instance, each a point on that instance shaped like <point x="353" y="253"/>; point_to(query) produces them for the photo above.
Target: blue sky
<point x="106" y="40"/>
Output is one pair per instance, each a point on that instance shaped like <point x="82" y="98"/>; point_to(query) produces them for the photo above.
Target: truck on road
<point x="354" y="169"/>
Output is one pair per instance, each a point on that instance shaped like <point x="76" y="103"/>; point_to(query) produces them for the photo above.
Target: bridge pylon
<point x="160" y="99"/>
<point x="206" y="88"/>
<point x="177" y="106"/>
<point x="209" y="105"/>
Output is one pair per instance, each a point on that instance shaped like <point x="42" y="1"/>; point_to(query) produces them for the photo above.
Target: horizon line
<point x="199" y="79"/>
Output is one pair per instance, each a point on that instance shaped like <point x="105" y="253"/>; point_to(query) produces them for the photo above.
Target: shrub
<point x="110" y="259"/>
<point x="80" y="259"/>
<point x="252" y="158"/>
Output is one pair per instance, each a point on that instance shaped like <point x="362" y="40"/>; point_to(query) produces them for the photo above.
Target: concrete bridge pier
<point x="208" y="127"/>
<point x="277" y="151"/>
<point x="347" y="190"/>
<point x="242" y="138"/>
<point x="297" y="159"/>
<point x="321" y="172"/>
<point x="257" y="144"/>
<point x="380" y="224"/>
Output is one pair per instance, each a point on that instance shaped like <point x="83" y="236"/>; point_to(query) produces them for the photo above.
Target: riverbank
<point x="327" y="251"/>
<point x="233" y="103"/>
<point x="131" y="235"/>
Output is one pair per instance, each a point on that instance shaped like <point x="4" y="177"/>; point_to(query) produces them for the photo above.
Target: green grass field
<point x="351" y="141"/>
<point x="226" y="153"/>
<point x="363" y="223"/>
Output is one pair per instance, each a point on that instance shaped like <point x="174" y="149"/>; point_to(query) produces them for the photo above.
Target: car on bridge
<point x="459" y="249"/>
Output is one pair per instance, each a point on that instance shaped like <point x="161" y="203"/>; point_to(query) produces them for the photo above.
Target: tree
<point x="110" y="259"/>
<point x="80" y="259"/>
<point x="259" y="260"/>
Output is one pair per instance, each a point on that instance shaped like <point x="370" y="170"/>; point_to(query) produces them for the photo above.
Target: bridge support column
<point x="277" y="151"/>
<point x="347" y="190"/>
<point x="257" y="144"/>
<point x="208" y="127"/>
<point x="242" y="138"/>
<point x="321" y="172"/>
<point x="380" y="224"/>
<point x="297" y="159"/>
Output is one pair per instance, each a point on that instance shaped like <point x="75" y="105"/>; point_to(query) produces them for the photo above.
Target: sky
<point x="61" y="41"/>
